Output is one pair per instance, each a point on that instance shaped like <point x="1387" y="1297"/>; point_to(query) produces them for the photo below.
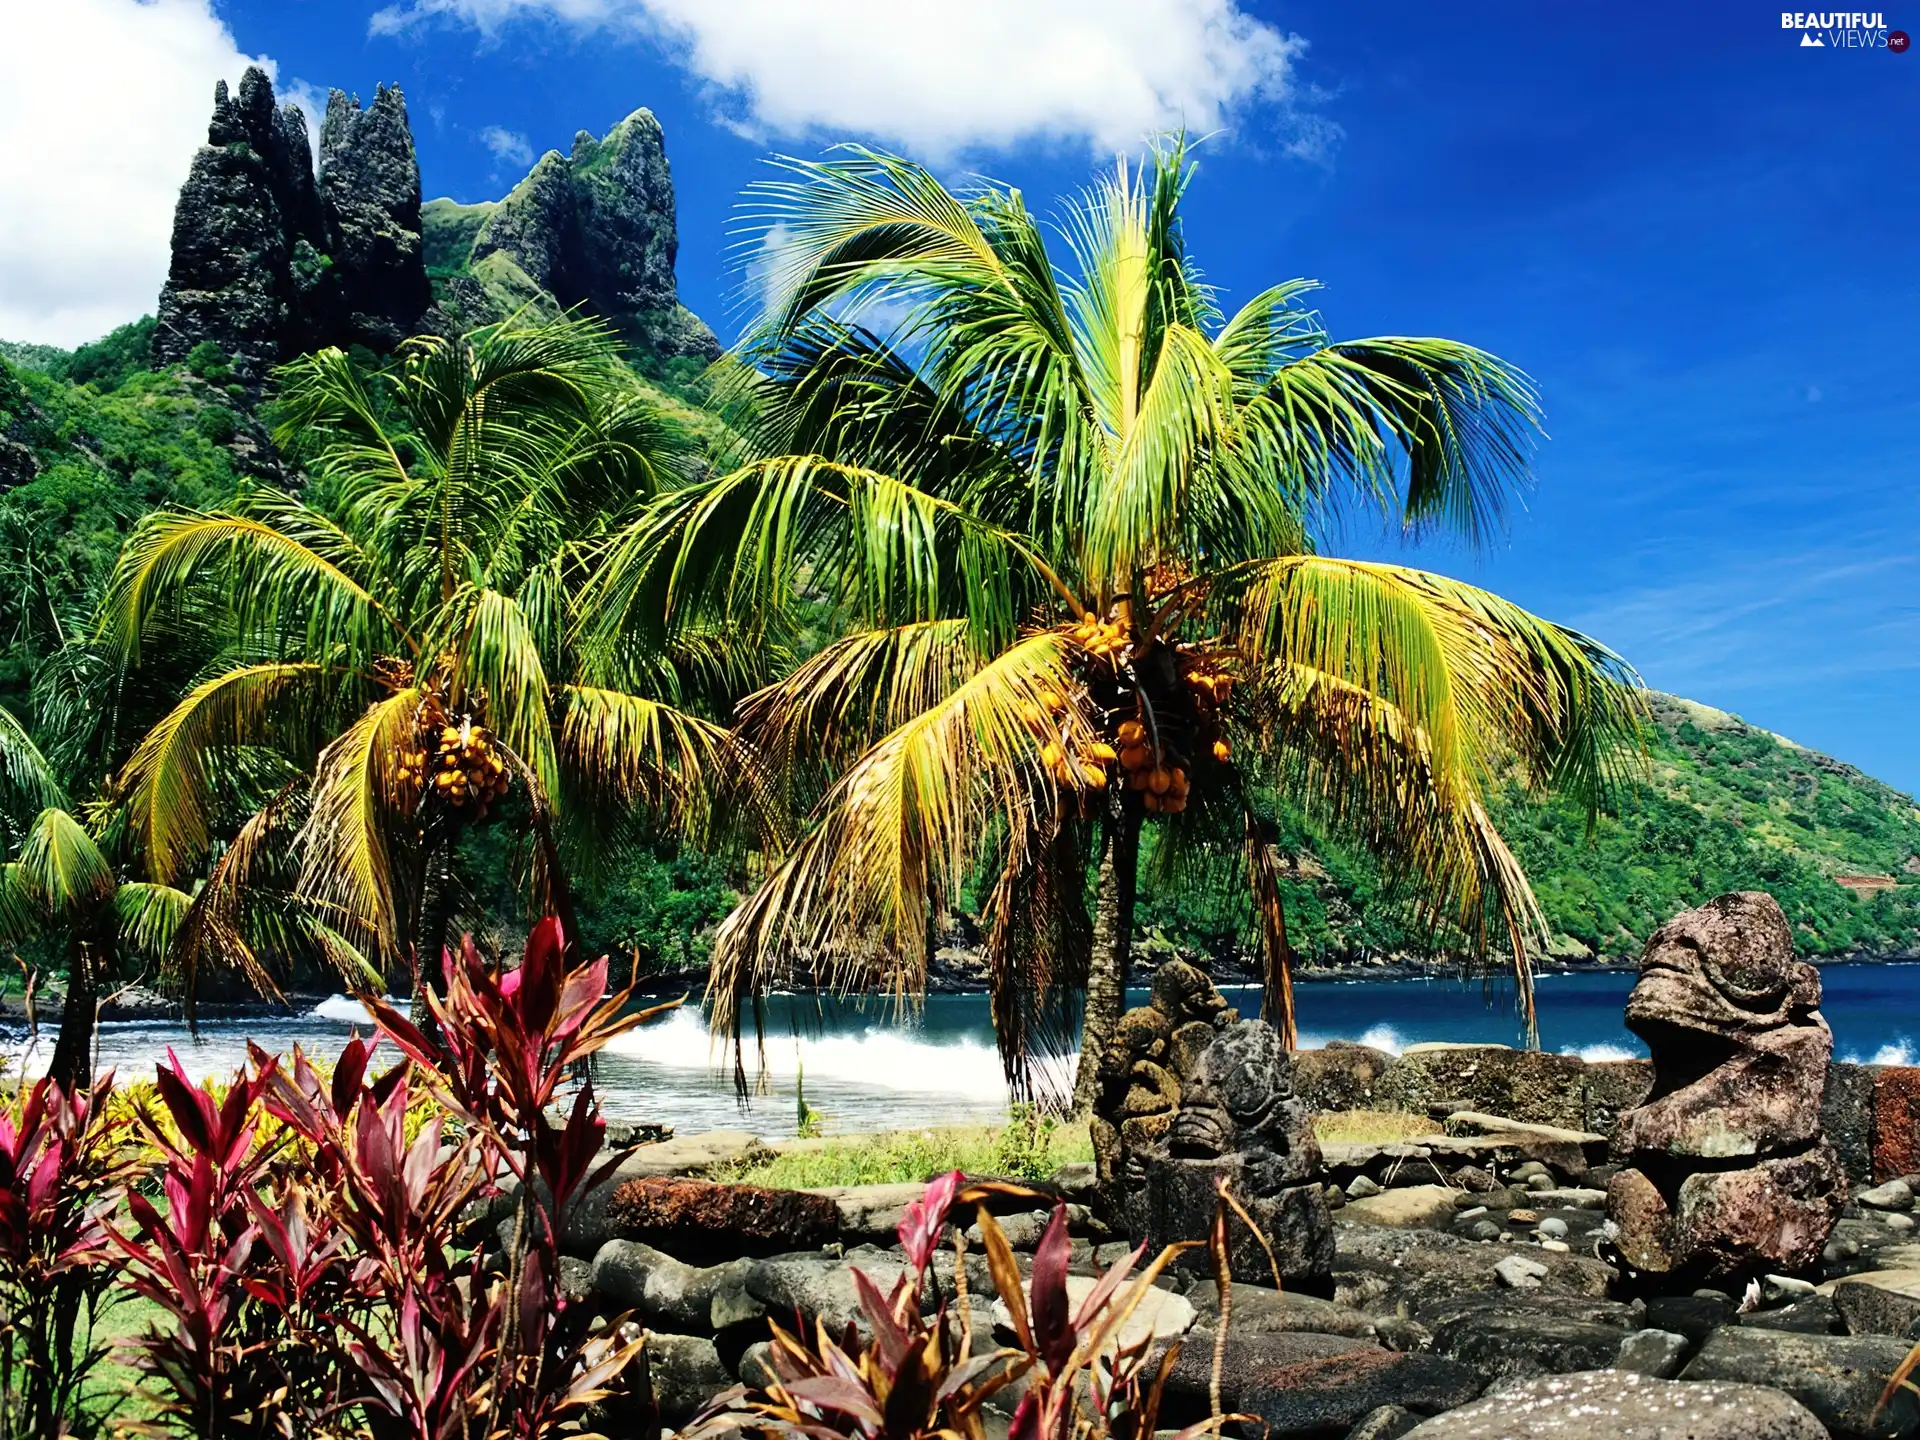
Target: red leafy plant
<point x="918" y="1375"/>
<point x="64" y="1167"/>
<point x="315" y="1283"/>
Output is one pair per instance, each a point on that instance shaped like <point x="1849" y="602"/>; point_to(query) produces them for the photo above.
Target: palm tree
<point x="1064" y="514"/>
<point x="394" y="649"/>
<point x="61" y="886"/>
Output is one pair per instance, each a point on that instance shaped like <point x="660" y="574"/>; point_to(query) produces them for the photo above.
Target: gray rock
<point x="1484" y="1230"/>
<point x="1893" y="1220"/>
<point x="1308" y="1385"/>
<point x="1258" y="1310"/>
<point x="1693" y="1316"/>
<point x="1879" y="1302"/>
<point x="1655" y="1353"/>
<point x="1624" y="1405"/>
<point x="818" y="1286"/>
<point x="754" y="1369"/>
<point x="687" y="1373"/>
<point x="1362" y="1187"/>
<point x="1809" y="1315"/>
<point x="1504" y="1337"/>
<point x="1838" y="1377"/>
<point x="370" y="187"/>
<point x="1894" y="1195"/>
<point x="669" y="1293"/>
<point x="1381" y="1270"/>
<point x="1519" y="1273"/>
<point x="1389" y="1422"/>
<point x="1570" y="1198"/>
<point x="1553" y="1228"/>
<point x="1777" y="1287"/>
<point x="597" y="228"/>
<point x="871" y="1212"/>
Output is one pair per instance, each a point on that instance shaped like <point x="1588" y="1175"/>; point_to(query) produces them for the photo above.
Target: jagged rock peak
<point x="370" y="186"/>
<point x="270" y="261"/>
<point x="596" y="228"/>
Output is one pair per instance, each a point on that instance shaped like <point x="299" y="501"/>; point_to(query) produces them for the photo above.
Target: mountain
<point x="594" y="229"/>
<point x="1717" y="804"/>
<point x="273" y="257"/>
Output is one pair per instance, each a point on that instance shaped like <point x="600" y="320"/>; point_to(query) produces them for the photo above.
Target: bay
<point x="869" y="1067"/>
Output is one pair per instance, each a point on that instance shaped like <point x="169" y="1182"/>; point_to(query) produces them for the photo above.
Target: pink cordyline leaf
<point x="921" y="1225"/>
<point x="1052" y="1330"/>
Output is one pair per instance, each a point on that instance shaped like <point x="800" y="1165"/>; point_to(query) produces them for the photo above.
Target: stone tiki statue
<point x="1190" y="1096"/>
<point x="1726" y="1174"/>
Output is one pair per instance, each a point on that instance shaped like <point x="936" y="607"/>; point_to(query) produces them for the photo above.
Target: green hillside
<point x="1721" y="805"/>
<point x="92" y="439"/>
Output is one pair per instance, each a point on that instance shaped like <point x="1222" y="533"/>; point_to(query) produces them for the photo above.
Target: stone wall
<point x="1870" y="1113"/>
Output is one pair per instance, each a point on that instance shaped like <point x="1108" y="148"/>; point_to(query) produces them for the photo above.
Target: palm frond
<point x="167" y="780"/>
<point x="641" y="753"/>
<point x="348" y="869"/>
<point x="27" y="783"/>
<point x="63" y="868"/>
<point x="150" y="917"/>
<point x="897" y="836"/>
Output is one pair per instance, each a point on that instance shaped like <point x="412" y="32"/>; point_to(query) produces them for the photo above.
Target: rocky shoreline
<point x="1717" y="1243"/>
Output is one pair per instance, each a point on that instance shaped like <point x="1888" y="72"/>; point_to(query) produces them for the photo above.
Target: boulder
<point x="1894" y="1195"/>
<point x="1508" y="1337"/>
<point x="819" y="1287"/>
<point x="1382" y="1271"/>
<point x="1838" y="1377"/>
<point x="686" y="1373"/>
<point x="670" y="1293"/>
<point x="871" y="1212"/>
<point x="1725" y="1173"/>
<point x="1342" y="1076"/>
<point x="1261" y="1310"/>
<point x="1809" y="1315"/>
<point x="704" y="1219"/>
<point x="1623" y="1405"/>
<point x="1310" y="1385"/>
<point x="1658" y="1354"/>
<point x="1389" y="1422"/>
<point x="1879" y="1302"/>
<point x="1694" y="1316"/>
<point x="1896" y="1121"/>
<point x="1415" y="1206"/>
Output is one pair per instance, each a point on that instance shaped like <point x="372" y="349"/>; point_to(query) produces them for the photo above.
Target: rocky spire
<point x="268" y="262"/>
<point x="596" y="229"/>
<point x="370" y="187"/>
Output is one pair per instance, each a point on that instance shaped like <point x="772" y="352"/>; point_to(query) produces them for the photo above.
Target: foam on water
<point x="342" y="1010"/>
<point x="879" y="1057"/>
<point x="1595" y="1053"/>
<point x="1375" y="1037"/>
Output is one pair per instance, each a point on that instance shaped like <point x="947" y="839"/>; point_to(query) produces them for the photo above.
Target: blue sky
<point x="1698" y="236"/>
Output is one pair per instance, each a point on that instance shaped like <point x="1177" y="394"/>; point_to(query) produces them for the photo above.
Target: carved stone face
<point x="1237" y="1098"/>
<point x="1726" y="969"/>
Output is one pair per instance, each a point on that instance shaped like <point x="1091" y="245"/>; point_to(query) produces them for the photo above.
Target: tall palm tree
<point x="62" y="887"/>
<point x="395" y="648"/>
<point x="1064" y="511"/>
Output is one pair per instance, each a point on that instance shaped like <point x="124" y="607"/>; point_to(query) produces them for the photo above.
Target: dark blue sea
<point x="868" y="1068"/>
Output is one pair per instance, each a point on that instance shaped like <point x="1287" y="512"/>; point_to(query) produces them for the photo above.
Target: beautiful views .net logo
<point x="1843" y="30"/>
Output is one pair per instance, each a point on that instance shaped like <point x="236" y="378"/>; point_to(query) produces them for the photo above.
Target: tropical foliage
<point x="1065" y="516"/>
<point x="395" y="651"/>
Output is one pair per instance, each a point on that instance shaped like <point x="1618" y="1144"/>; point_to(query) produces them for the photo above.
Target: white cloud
<point x="507" y="145"/>
<point x="943" y="78"/>
<point x="102" y="105"/>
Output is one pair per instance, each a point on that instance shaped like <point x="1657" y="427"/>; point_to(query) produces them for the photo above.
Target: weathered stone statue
<point x="1727" y="1172"/>
<point x="1190" y="1096"/>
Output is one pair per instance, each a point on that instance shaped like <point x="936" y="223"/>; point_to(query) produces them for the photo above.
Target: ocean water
<point x="870" y="1068"/>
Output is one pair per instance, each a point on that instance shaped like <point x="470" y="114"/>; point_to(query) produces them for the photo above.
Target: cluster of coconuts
<point x="458" y="763"/>
<point x="1102" y="639"/>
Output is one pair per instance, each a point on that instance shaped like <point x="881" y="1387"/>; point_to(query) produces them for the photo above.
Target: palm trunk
<point x="72" y="1065"/>
<point x="1112" y="955"/>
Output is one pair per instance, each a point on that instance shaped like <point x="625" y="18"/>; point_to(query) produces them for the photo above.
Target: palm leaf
<point x="348" y="846"/>
<point x="62" y="867"/>
<point x="166" y="782"/>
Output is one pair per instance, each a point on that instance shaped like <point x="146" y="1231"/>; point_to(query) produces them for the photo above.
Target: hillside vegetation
<point x="1720" y="805"/>
<point x="92" y="439"/>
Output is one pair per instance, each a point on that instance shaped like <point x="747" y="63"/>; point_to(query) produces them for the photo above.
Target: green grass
<point x="1022" y="1149"/>
<point x="1372" y="1127"/>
